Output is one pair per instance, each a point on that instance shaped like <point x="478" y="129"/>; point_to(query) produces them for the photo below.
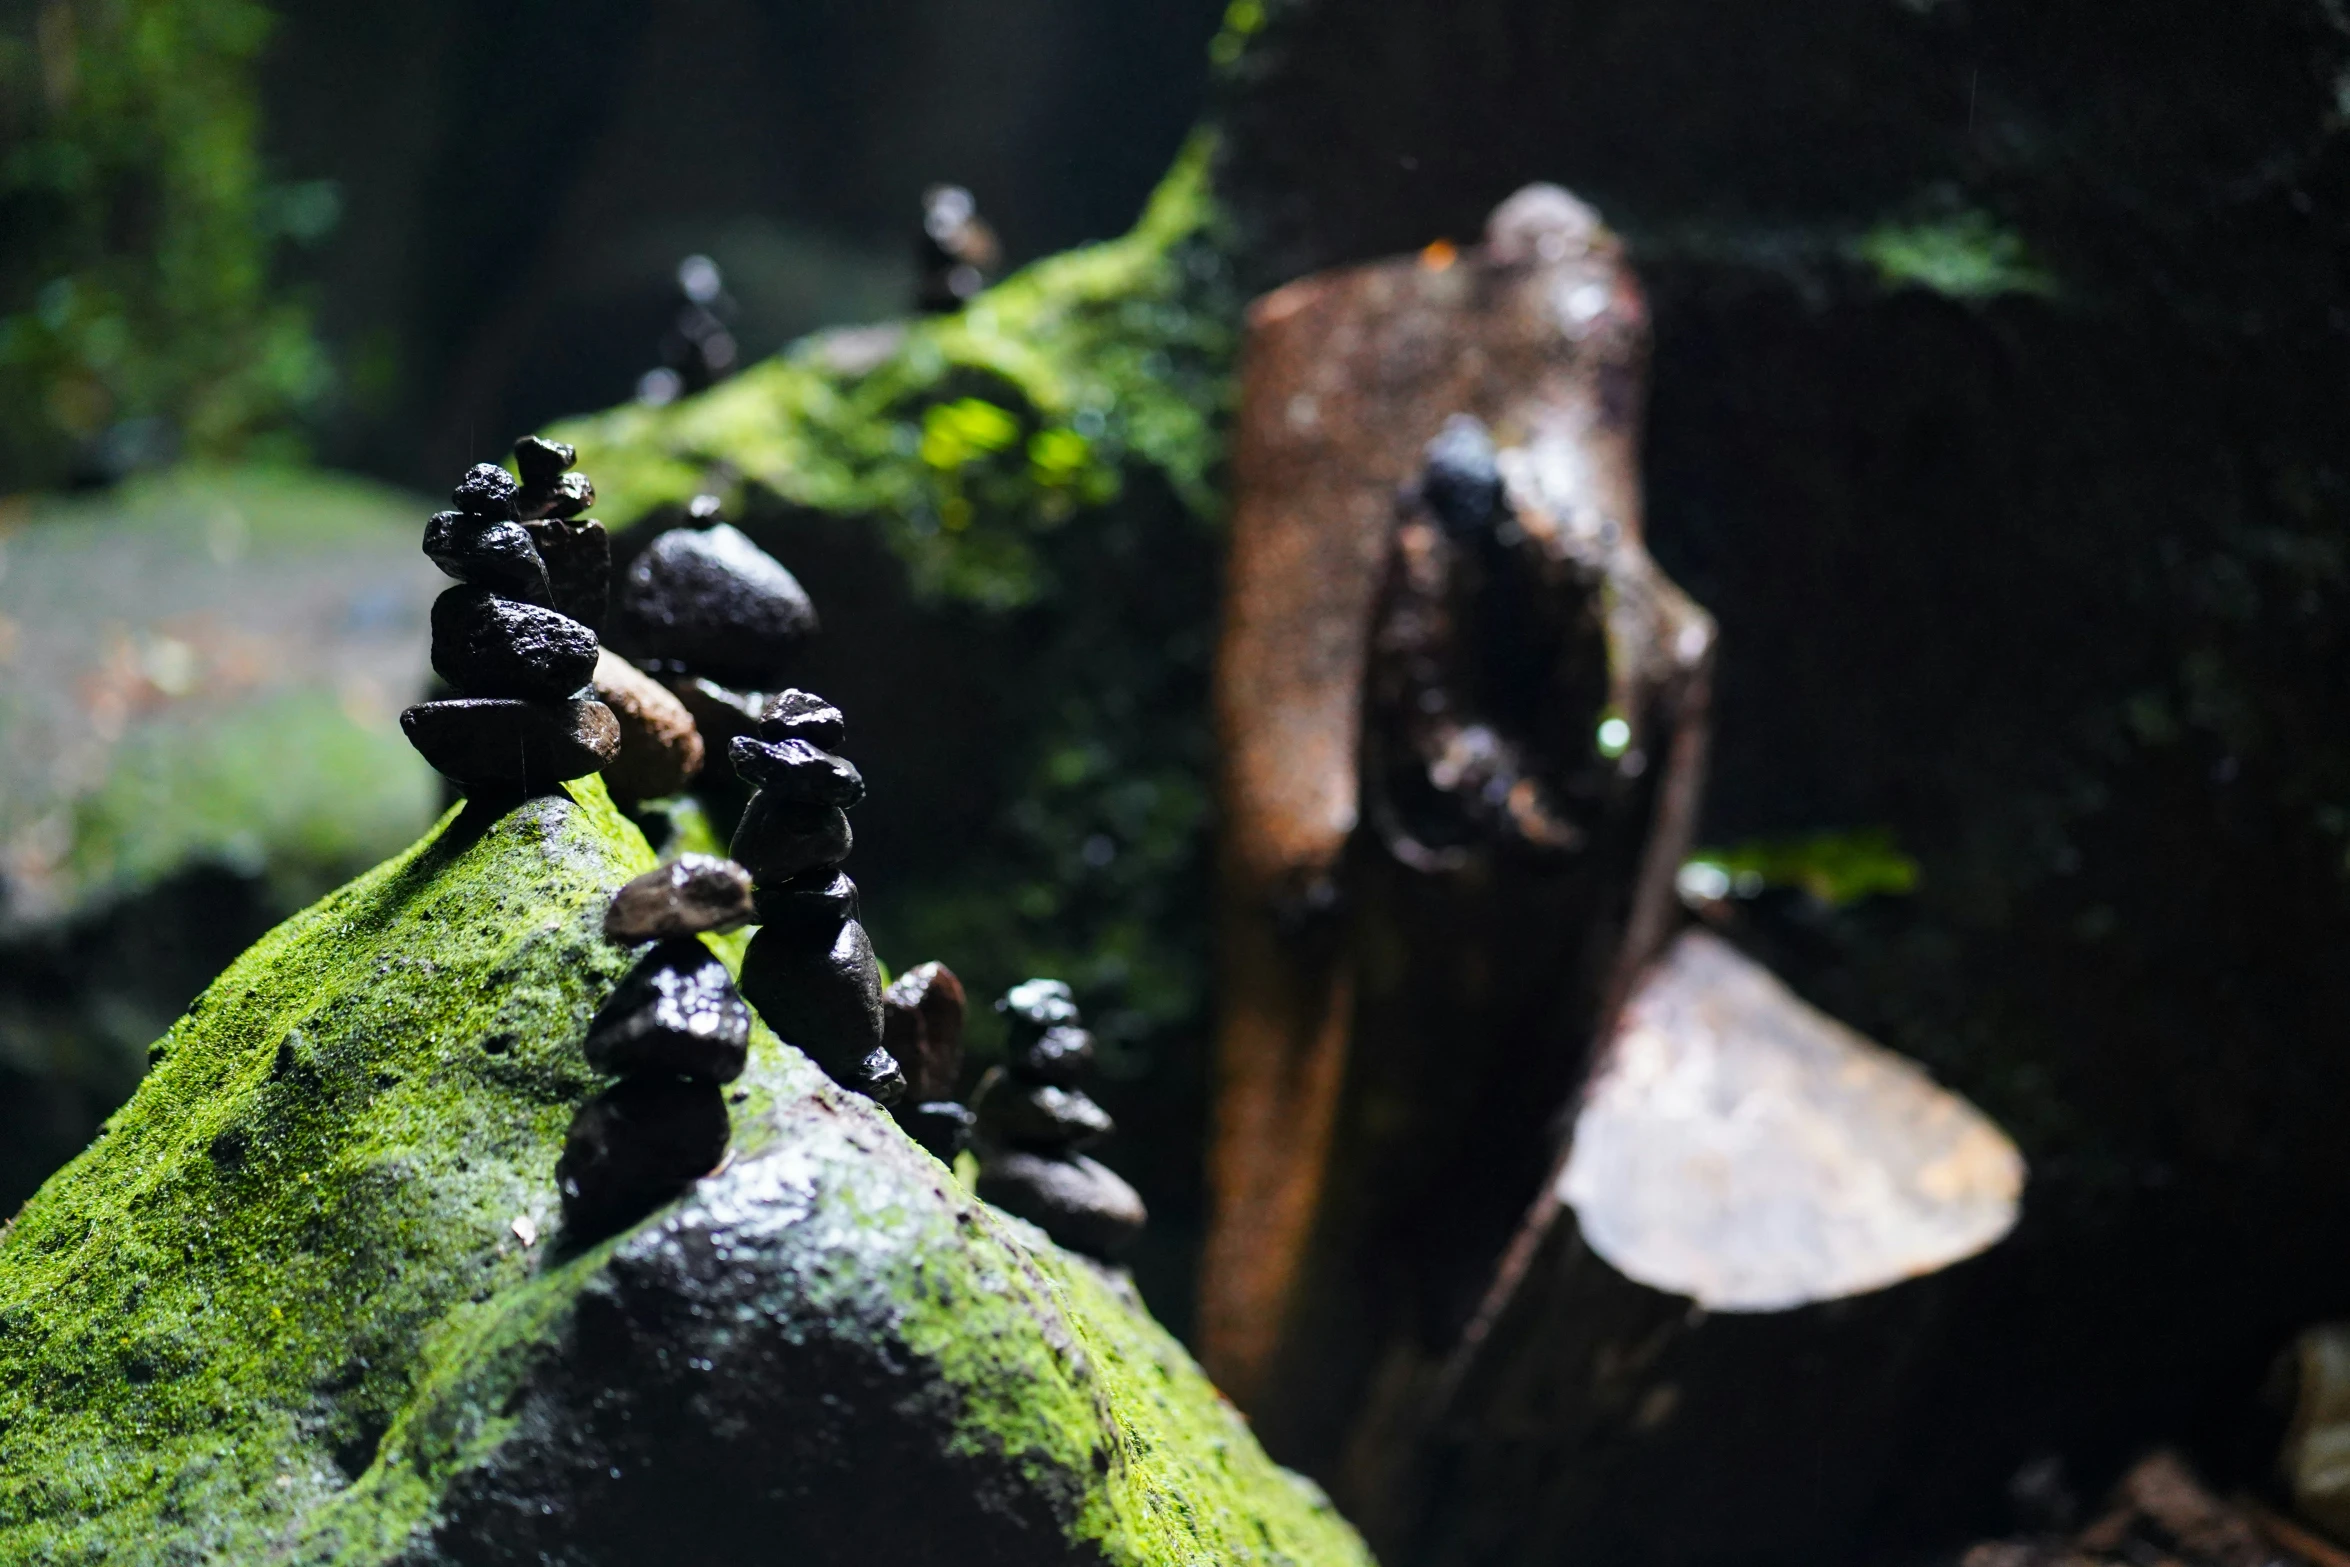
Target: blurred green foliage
<point x="136" y="236"/>
<point x="1837" y="868"/>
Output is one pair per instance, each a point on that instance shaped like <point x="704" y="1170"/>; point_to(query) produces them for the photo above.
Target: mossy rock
<point x="308" y="1298"/>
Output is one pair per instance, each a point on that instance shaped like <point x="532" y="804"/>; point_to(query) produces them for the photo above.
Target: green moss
<point x="214" y="1309"/>
<point x="969" y="434"/>
<point x="302" y="1287"/>
<point x="1968" y="256"/>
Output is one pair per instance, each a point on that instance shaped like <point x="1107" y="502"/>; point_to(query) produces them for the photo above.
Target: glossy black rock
<point x="688" y="895"/>
<point x="635" y="1146"/>
<point x="579" y="566"/>
<point x="1037" y="1116"/>
<point x="803" y="715"/>
<point x="795" y="771"/>
<point x="677" y="1012"/>
<point x="486" y="645"/>
<point x="824" y="998"/>
<point x="487" y="490"/>
<point x="777" y="840"/>
<point x="483" y="741"/>
<point x="710" y="601"/>
<point x="1034" y="1005"/>
<point x="1077" y="1202"/>
<point x="542" y="462"/>
<point x="812" y="905"/>
<point x="488" y="552"/>
<point x="1060" y="1056"/>
<point x="878" y="1077"/>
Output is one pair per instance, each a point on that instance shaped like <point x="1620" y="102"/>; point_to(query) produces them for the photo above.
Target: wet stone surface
<point x="1037" y="1116"/>
<point x="810" y="905"/>
<point x="660" y="745"/>
<point x="778" y="840"/>
<point x="823" y="998"/>
<point x="498" y="740"/>
<point x="487" y="490"/>
<point x="720" y="712"/>
<point x="688" y="895"/>
<point x="1079" y="1203"/>
<point x="1059" y="1056"/>
<point x="677" y="1012"/>
<point x="878" y="1077"/>
<point x="578" y="555"/>
<point x="803" y="715"/>
<point x="922" y="1015"/>
<point x="488" y="552"/>
<point x="796" y="772"/>
<point x="708" y="601"/>
<point x="634" y="1147"/>
<point x="941" y="1126"/>
<point x="485" y="645"/>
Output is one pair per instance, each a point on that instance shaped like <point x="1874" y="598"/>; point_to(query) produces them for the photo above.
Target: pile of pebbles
<point x="810" y="970"/>
<point x="1034" y="1124"/>
<point x="674" y="1031"/>
<point x="527" y="716"/>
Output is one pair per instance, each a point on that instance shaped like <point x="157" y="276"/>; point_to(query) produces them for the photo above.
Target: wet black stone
<point x="941" y="1126"/>
<point x="803" y="715"/>
<point x="1034" y="1005"/>
<point x="579" y="566"/>
<point x="688" y="895"/>
<point x="720" y="712"/>
<point x="777" y="839"/>
<point x="635" y="1146"/>
<point x="1060" y="1056"/>
<point x="710" y="601"/>
<point x="487" y="490"/>
<point x="878" y="1077"/>
<point x="811" y="904"/>
<point x="824" y="998"/>
<point x="1037" y="1116"/>
<point x="794" y="770"/>
<point x="541" y="462"/>
<point x="490" y="553"/>
<point x="677" y="1012"/>
<point x="1462" y="480"/>
<point x="485" y="645"/>
<point x="566" y="498"/>
<point x="485" y="741"/>
<point x="1079" y="1203"/>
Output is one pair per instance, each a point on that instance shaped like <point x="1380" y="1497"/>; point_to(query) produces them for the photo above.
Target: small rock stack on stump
<point x="527" y="718"/>
<point x="714" y="618"/>
<point x="922" y="1026"/>
<point x="810" y="970"/>
<point x="1034" y="1123"/>
<point x="673" y="1031"/>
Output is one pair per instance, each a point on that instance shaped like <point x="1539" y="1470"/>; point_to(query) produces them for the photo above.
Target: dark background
<point x="519" y="179"/>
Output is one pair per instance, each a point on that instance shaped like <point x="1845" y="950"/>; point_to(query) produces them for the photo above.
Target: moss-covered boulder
<point x="308" y="1297"/>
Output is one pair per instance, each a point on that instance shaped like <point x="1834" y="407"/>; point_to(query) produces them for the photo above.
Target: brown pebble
<point x="691" y="894"/>
<point x="660" y="745"/>
<point x="922" y="1024"/>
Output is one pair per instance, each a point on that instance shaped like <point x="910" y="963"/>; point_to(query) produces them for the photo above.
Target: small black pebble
<point x="635" y="1146"/>
<point x="487" y="490"/>
<point x="794" y="770"/>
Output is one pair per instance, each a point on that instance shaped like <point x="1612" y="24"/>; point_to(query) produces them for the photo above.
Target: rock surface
<point x="683" y="897"/>
<point x="527" y="745"/>
<point x="485" y="645"/>
<point x="677" y="1014"/>
<point x="660" y="744"/>
<point x="710" y="601"/>
<point x="300" y="1304"/>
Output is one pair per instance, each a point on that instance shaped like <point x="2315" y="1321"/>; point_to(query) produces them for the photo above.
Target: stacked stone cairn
<point x="1034" y="1124"/>
<point x="810" y="970"/>
<point x="527" y="717"/>
<point x="715" y="619"/>
<point x="673" y="1032"/>
<point x="922" y="1028"/>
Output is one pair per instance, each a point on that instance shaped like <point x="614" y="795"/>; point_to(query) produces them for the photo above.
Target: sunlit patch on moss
<point x="1969" y="256"/>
